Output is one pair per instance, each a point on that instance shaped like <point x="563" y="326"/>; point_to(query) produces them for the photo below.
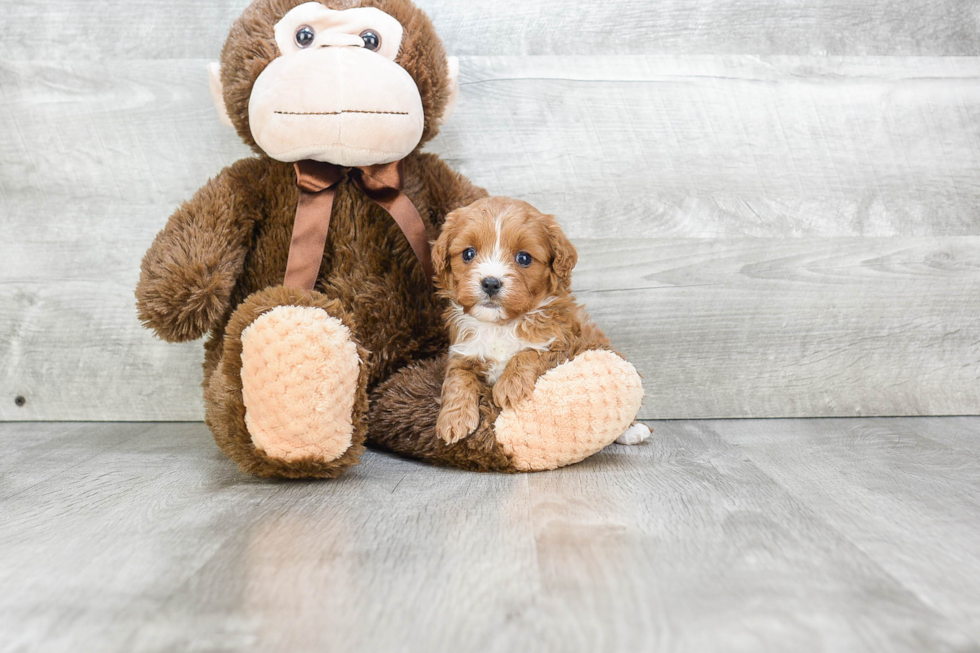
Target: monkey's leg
<point x="403" y="414"/>
<point x="288" y="396"/>
<point x="575" y="410"/>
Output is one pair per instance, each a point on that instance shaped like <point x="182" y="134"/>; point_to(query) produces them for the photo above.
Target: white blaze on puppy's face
<point x="491" y="263"/>
<point x="335" y="93"/>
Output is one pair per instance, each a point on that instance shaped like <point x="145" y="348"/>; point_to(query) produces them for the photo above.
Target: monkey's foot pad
<point x="299" y="383"/>
<point x="576" y="409"/>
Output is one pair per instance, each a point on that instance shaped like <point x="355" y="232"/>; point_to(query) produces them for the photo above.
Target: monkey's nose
<point x="491" y="286"/>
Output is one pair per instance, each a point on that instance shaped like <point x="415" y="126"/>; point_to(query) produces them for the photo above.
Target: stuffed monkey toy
<point x="308" y="265"/>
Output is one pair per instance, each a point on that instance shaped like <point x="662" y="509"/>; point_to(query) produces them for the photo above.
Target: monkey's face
<point x="335" y="93"/>
<point x="334" y="90"/>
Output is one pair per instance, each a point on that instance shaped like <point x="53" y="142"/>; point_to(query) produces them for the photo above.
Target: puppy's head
<point x="499" y="258"/>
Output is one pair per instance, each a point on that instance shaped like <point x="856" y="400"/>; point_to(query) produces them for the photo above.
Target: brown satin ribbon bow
<point x="318" y="183"/>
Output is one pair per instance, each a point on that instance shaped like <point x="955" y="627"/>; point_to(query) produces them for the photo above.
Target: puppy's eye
<point x="305" y="36"/>
<point x="469" y="254"/>
<point x="371" y="40"/>
<point x="524" y="259"/>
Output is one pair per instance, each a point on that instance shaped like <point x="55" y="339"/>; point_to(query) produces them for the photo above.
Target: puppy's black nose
<point x="491" y="286"/>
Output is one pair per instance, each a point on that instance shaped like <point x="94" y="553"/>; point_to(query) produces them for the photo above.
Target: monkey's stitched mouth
<point x="337" y="113"/>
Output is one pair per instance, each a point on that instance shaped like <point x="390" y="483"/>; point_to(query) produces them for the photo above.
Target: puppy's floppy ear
<point x="440" y="249"/>
<point x="563" y="254"/>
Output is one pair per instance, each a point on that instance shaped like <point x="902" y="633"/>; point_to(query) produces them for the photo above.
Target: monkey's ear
<point x="453" y="89"/>
<point x="218" y="93"/>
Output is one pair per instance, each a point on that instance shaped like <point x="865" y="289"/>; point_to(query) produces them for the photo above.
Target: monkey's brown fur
<point x="408" y="405"/>
<point x="219" y="264"/>
<point x="232" y="240"/>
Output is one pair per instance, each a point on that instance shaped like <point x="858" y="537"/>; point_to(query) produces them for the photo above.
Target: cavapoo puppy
<point x="506" y="269"/>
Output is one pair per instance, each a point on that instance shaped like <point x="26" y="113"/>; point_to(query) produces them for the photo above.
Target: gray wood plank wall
<point x="776" y="201"/>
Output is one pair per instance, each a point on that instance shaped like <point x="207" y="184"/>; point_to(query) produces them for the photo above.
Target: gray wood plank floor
<point x="779" y="535"/>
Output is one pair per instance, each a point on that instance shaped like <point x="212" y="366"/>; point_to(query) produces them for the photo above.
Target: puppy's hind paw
<point x="635" y="434"/>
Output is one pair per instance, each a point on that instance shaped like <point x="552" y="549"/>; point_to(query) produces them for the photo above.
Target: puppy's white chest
<point x="494" y="344"/>
<point x="499" y="352"/>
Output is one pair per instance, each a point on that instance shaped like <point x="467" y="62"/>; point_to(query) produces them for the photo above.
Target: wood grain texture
<point x="186" y="28"/>
<point x="686" y="147"/>
<point x="720" y="147"/>
<point x="892" y="488"/>
<point x="74" y="349"/>
<point x="665" y="156"/>
<point x="713" y="536"/>
<point x="718" y="328"/>
<point x="786" y="328"/>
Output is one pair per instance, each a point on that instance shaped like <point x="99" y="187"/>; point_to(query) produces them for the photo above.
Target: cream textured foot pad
<point x="299" y="383"/>
<point x="576" y="410"/>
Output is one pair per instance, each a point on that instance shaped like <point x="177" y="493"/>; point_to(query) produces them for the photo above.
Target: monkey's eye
<point x="305" y="36"/>
<point x="469" y="254"/>
<point x="371" y="40"/>
<point x="524" y="259"/>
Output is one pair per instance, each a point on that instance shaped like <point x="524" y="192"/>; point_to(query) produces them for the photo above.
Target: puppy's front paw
<point x="513" y="387"/>
<point x="457" y="419"/>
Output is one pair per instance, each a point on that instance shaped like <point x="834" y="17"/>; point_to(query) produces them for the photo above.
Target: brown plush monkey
<point x="307" y="265"/>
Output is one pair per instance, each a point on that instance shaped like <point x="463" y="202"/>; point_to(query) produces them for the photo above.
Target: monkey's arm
<point x="190" y="270"/>
<point x="460" y="412"/>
